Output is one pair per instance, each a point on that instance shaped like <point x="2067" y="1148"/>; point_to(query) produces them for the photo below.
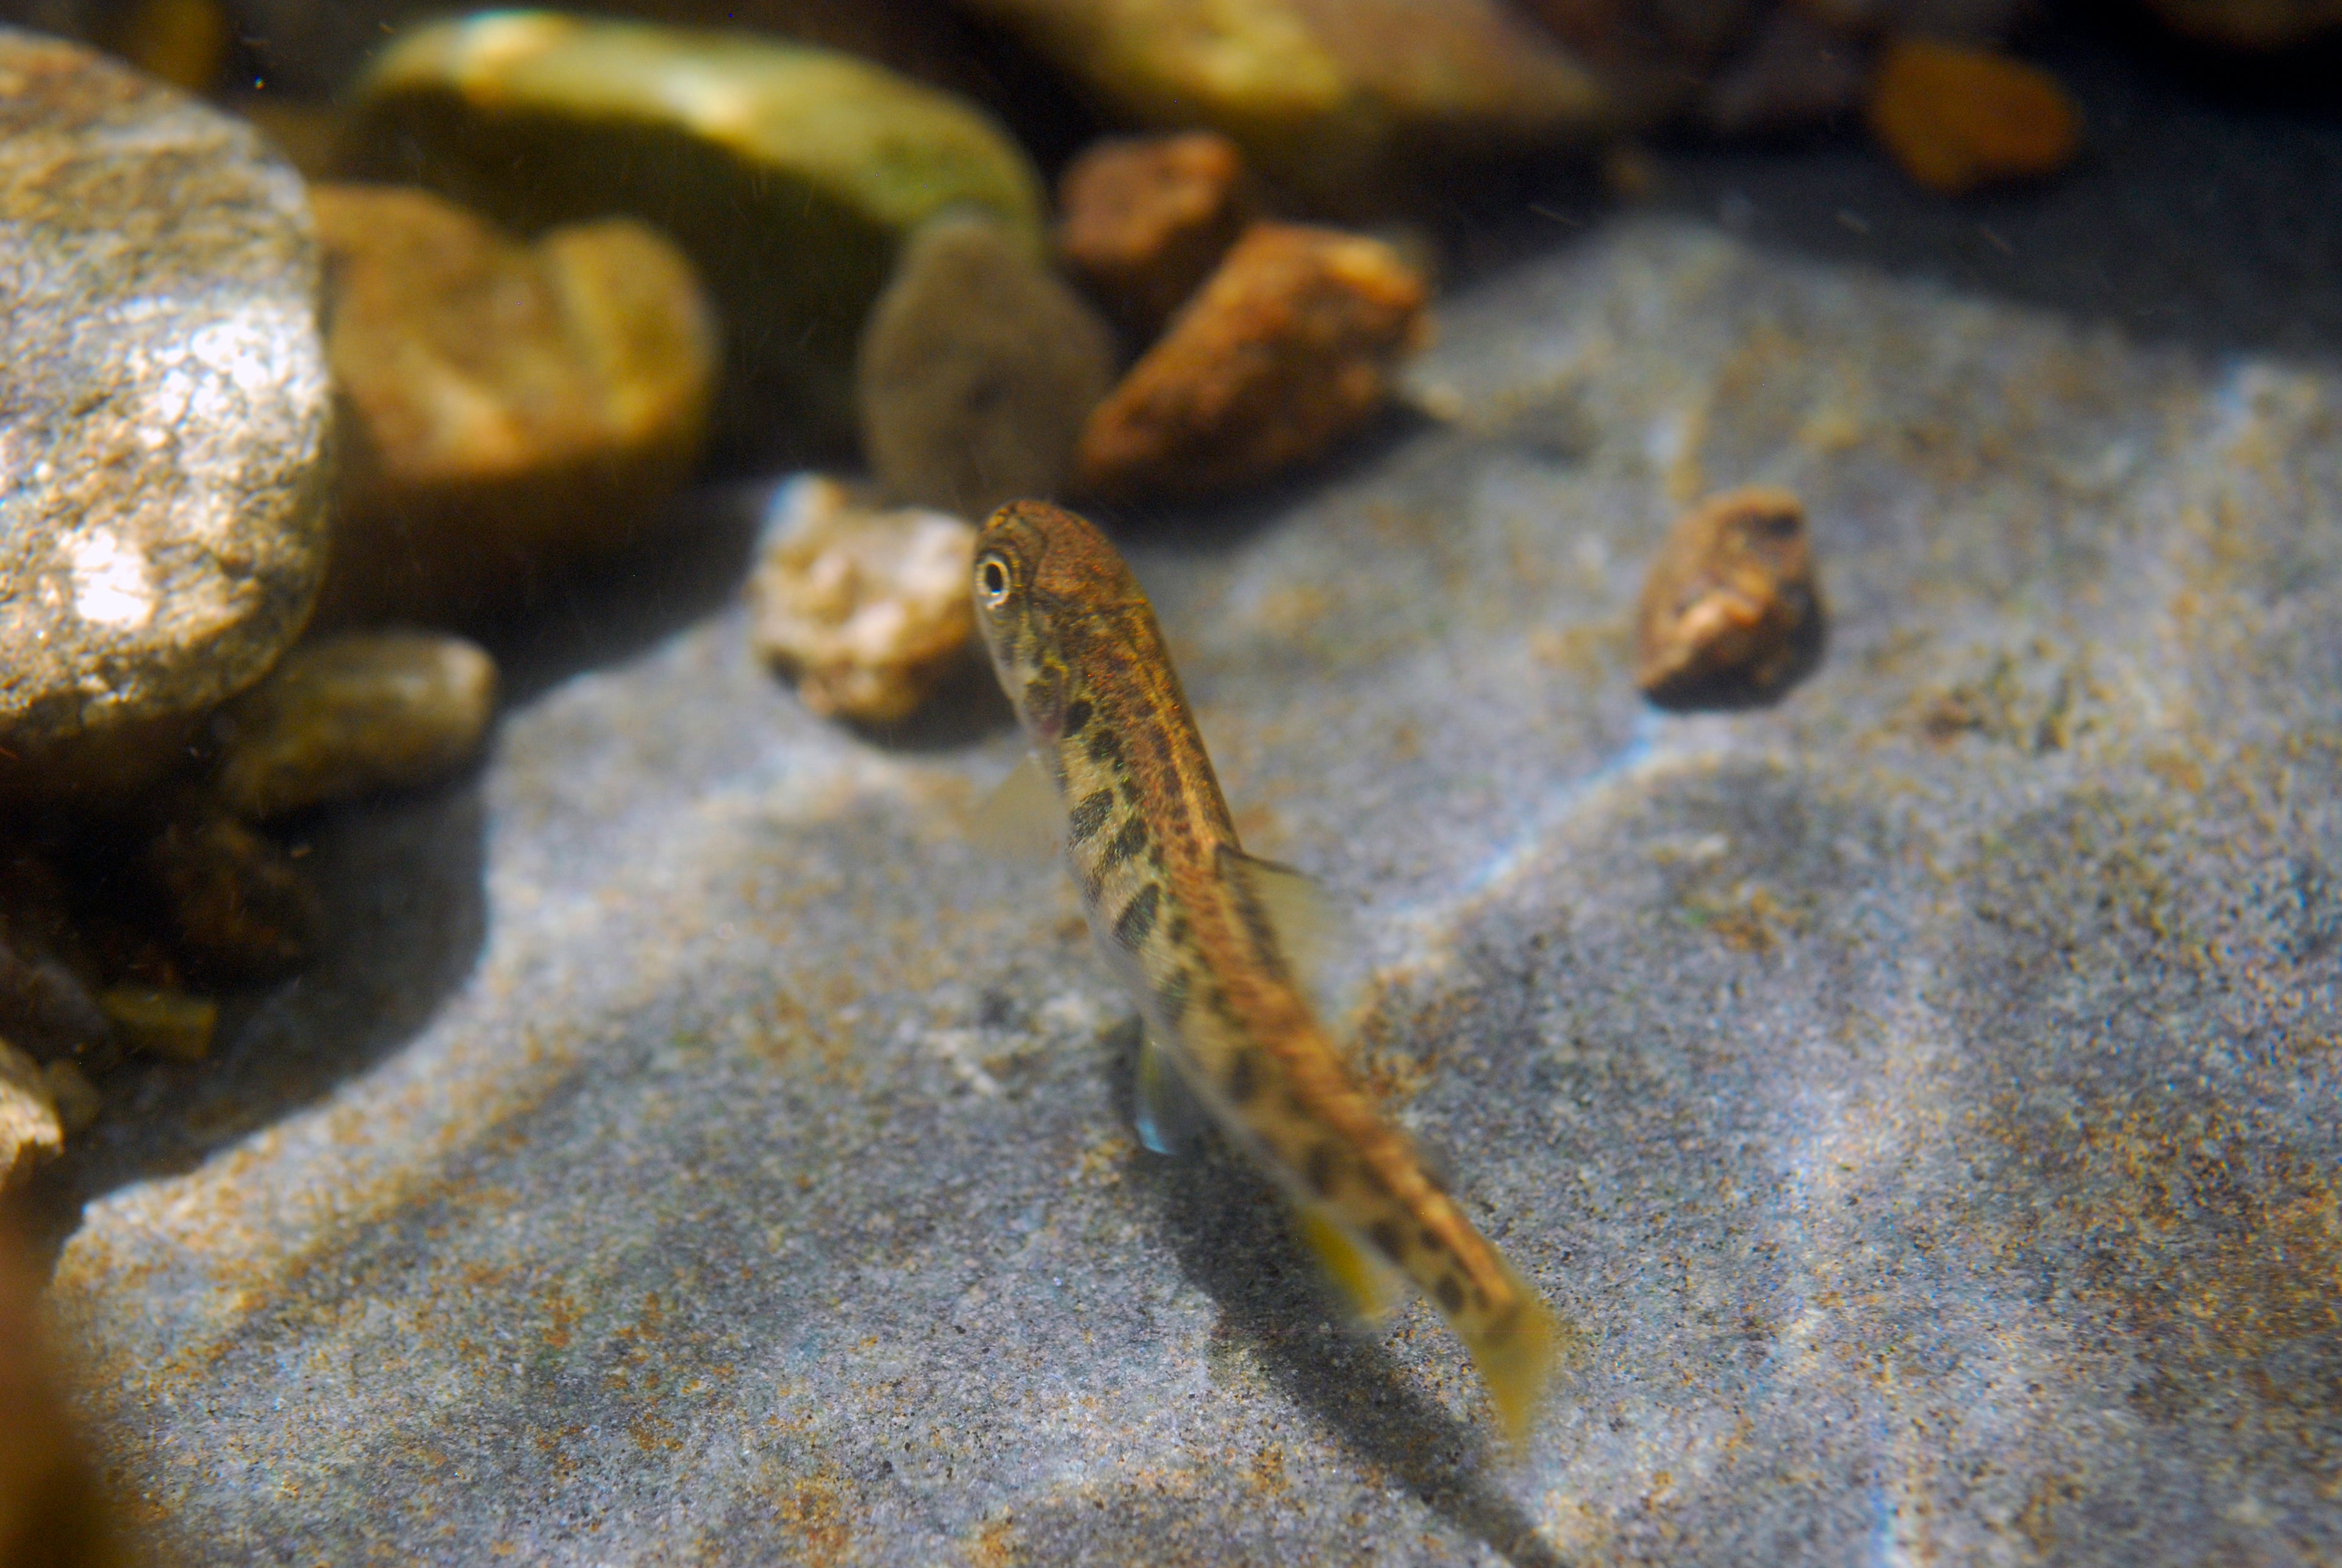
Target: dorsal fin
<point x="1022" y="818"/>
<point x="1315" y="933"/>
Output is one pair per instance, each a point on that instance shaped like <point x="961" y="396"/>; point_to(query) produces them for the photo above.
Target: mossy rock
<point x="791" y="173"/>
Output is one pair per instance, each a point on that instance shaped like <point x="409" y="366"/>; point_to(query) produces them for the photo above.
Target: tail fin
<point x="1516" y="1354"/>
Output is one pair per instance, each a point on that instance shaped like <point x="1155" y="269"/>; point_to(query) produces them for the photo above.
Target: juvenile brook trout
<point x="1192" y="924"/>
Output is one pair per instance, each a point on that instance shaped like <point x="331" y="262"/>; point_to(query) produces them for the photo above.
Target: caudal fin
<point x="1515" y="1353"/>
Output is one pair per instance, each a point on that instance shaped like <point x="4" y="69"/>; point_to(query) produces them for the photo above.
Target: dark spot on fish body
<point x="1244" y="1073"/>
<point x="1077" y="715"/>
<point x="1083" y="821"/>
<point x="1389" y="1240"/>
<point x="1180" y="930"/>
<point x="1129" y="792"/>
<point x="1138" y="917"/>
<point x="1127" y="842"/>
<point x="1323" y="1169"/>
<point x="1373" y="1179"/>
<point x="1104" y="749"/>
<point x="1431" y="1242"/>
<point x="1450" y="1292"/>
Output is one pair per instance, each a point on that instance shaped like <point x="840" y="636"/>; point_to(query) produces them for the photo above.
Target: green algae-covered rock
<point x="789" y="173"/>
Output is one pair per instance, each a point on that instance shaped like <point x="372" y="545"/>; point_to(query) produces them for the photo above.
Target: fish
<point x="1204" y="936"/>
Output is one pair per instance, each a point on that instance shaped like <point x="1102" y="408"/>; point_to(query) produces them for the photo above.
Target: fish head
<point x="1045" y="579"/>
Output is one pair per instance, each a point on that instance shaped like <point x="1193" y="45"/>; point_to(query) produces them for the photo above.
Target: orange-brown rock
<point x="505" y="408"/>
<point x="1144" y="219"/>
<point x="1730" y="598"/>
<point x="1956" y="118"/>
<point x="1286" y="348"/>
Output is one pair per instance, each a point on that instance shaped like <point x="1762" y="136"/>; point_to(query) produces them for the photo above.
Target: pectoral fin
<point x="1169" y="1120"/>
<point x="1370" y="1286"/>
<point x="1313" y="933"/>
<point x="1021" y="819"/>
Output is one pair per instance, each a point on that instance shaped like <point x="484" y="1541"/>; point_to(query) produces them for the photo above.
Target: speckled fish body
<point x="1183" y="915"/>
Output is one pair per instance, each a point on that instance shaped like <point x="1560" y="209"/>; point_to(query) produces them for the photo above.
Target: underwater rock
<point x="79" y="1102"/>
<point x="1286" y="348"/>
<point x="506" y="410"/>
<point x="351" y="713"/>
<point x="867" y="608"/>
<point x="790" y="175"/>
<point x="171" y="1024"/>
<point x="45" y="1007"/>
<point x="1956" y="118"/>
<point x="182" y="42"/>
<point x="1729" y="596"/>
<point x="2261" y="24"/>
<point x="162" y="414"/>
<point x="1143" y="221"/>
<point x="978" y="367"/>
<point x="238" y="906"/>
<point x="30" y="1133"/>
<point x="1797" y="73"/>
<point x="1341" y="100"/>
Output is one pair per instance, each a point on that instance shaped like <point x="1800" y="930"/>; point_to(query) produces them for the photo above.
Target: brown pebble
<point x="183" y="41"/>
<point x="870" y="609"/>
<point x="79" y="1104"/>
<point x="346" y="715"/>
<point x="1727" y="597"/>
<point x="1146" y="218"/>
<point x="1958" y="118"/>
<point x="171" y="1024"/>
<point x="240" y="909"/>
<point x="1288" y="348"/>
<point x="977" y="368"/>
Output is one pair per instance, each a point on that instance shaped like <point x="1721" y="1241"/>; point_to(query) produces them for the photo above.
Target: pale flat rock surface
<point x="162" y="409"/>
<point x="1921" y="1091"/>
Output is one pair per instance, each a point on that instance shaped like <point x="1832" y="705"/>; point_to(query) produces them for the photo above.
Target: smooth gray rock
<point x="162" y="414"/>
<point x="1921" y="1090"/>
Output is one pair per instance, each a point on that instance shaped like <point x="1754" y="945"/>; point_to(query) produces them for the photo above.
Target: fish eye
<point x="992" y="581"/>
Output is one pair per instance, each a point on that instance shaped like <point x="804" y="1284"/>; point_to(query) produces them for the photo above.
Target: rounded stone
<point x="976" y="371"/>
<point x="868" y="609"/>
<point x="790" y="174"/>
<point x="163" y="417"/>
<point x="346" y="715"/>
<point x="506" y="411"/>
